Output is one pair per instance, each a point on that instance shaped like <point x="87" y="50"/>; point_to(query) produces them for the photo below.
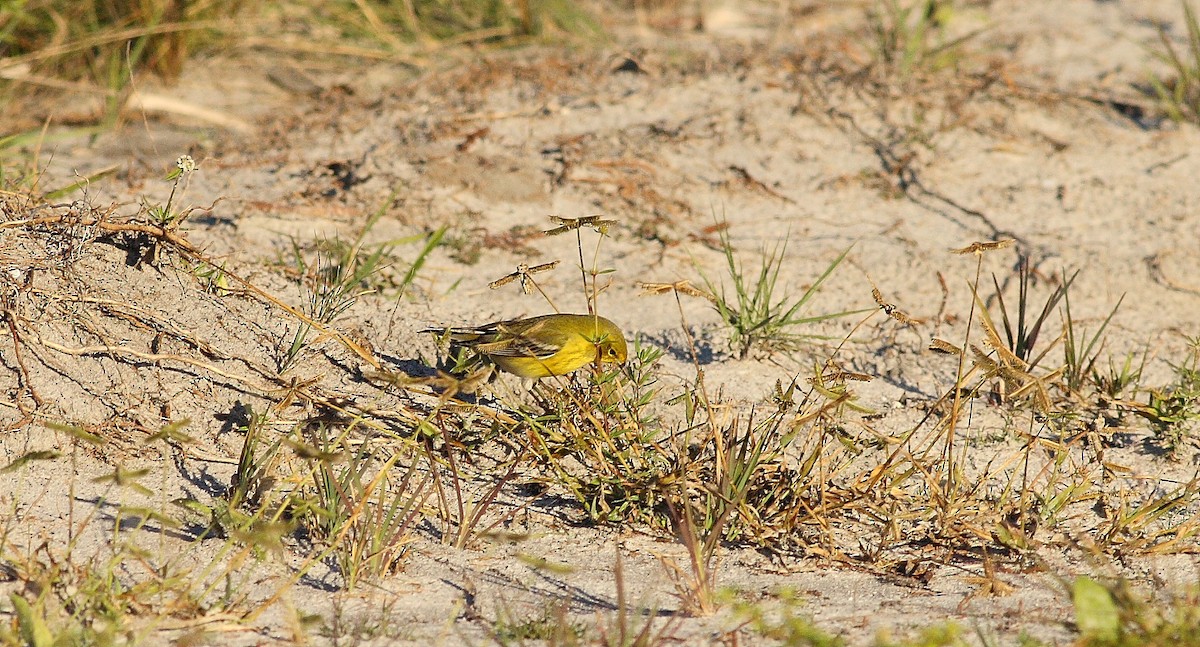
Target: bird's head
<point x="610" y="343"/>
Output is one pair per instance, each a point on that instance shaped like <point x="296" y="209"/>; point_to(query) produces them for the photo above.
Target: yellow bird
<point x="542" y="346"/>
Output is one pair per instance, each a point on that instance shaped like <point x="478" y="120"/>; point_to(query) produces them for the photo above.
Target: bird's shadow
<point x="678" y="346"/>
<point x="414" y="368"/>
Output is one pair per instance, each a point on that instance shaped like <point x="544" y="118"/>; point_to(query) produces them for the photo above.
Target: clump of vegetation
<point x="1173" y="410"/>
<point x="429" y="21"/>
<point x="101" y="41"/>
<point x="759" y="315"/>
<point x="1179" y="96"/>
<point x="98" y="48"/>
<point x="909" y="39"/>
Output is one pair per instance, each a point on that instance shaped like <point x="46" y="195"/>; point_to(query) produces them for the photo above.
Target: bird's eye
<point x="612" y="351"/>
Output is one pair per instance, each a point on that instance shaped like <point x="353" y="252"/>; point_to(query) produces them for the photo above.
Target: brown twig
<point x="26" y="416"/>
<point x="84" y="351"/>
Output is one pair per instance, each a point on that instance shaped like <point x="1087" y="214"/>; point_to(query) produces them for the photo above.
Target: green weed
<point x="550" y="627"/>
<point x="1179" y="97"/>
<point x="168" y="216"/>
<point x="432" y="21"/>
<point x="1174" y="409"/>
<point x="365" y="506"/>
<point x="331" y="284"/>
<point x="906" y="39"/>
<point x="1023" y="334"/>
<point x="1118" y="379"/>
<point x="1079" y="361"/>
<point x="757" y="316"/>
<point x="779" y="620"/>
<point x="98" y="47"/>
<point x="341" y="274"/>
<point x="120" y="591"/>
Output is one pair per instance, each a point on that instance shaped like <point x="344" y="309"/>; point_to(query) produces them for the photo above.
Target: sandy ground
<point x="757" y="120"/>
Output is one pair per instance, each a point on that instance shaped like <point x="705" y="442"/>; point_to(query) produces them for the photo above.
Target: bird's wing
<point x="511" y="339"/>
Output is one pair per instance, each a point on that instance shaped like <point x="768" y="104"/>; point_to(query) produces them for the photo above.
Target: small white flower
<point x="185" y="164"/>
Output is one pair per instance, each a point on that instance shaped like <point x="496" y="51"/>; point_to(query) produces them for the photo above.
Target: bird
<point x="537" y="347"/>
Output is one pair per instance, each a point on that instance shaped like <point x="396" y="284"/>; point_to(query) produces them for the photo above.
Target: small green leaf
<point x="33" y="626"/>
<point x="76" y="431"/>
<point x="38" y="455"/>
<point x="1095" y="611"/>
